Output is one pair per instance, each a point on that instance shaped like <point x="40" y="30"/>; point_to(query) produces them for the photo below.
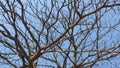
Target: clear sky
<point x="109" y="19"/>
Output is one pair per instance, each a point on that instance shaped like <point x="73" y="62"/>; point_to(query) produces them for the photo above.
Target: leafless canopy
<point x="59" y="33"/>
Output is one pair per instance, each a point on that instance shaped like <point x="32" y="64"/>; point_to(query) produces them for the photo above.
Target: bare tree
<point x="59" y="33"/>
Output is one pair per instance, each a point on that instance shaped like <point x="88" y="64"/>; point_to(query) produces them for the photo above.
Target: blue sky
<point x="109" y="19"/>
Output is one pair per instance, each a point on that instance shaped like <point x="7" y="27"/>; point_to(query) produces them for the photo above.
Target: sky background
<point x="109" y="19"/>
